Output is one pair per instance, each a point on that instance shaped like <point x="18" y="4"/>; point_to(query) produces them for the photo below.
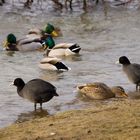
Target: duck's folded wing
<point x="135" y="68"/>
<point x="62" y="45"/>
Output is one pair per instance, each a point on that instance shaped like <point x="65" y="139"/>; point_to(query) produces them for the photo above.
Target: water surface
<point x="103" y="39"/>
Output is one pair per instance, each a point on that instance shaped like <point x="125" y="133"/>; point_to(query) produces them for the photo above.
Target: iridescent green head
<point x="11" y="38"/>
<point x="49" y="42"/>
<point x="50" y="30"/>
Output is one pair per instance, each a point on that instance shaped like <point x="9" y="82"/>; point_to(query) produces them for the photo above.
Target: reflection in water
<point x="10" y="53"/>
<point x="102" y="42"/>
<point x="77" y="57"/>
<point x="39" y="113"/>
<point x="51" y="75"/>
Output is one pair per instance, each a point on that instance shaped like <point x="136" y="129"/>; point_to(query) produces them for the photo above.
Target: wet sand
<point x="118" y="121"/>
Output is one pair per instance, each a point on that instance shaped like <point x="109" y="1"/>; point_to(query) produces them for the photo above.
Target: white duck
<point x="53" y="63"/>
<point x="65" y="49"/>
<point x="61" y="49"/>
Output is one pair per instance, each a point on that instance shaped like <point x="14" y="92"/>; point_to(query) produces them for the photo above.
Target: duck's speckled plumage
<point x="99" y="91"/>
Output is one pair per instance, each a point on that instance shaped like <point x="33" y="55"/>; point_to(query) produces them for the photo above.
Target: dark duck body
<point x="132" y="70"/>
<point x="36" y="90"/>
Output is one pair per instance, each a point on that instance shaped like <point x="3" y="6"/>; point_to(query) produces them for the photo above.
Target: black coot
<point x="36" y="90"/>
<point x="132" y="70"/>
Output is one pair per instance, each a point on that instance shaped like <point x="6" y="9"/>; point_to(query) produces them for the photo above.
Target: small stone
<point x="51" y="124"/>
<point x="52" y="133"/>
<point x="89" y="131"/>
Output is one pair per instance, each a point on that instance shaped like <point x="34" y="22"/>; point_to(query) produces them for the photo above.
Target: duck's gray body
<point x="133" y="72"/>
<point x="36" y="90"/>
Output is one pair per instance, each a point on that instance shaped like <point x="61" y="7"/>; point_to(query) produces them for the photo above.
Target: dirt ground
<point x="121" y="121"/>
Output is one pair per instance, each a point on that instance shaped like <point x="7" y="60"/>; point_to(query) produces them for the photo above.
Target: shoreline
<point x="118" y="121"/>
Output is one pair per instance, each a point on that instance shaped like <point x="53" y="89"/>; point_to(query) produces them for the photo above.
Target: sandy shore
<point x="120" y="121"/>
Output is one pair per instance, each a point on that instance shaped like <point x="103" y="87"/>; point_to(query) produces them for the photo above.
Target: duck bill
<point x="5" y="43"/>
<point x="11" y="84"/>
<point x="117" y="62"/>
<point x="125" y="95"/>
<point x="54" y="34"/>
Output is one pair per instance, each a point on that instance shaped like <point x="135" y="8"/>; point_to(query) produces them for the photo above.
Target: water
<point x="103" y="39"/>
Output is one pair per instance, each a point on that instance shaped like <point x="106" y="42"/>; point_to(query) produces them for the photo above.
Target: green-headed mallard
<point x="53" y="63"/>
<point x="36" y="33"/>
<point x="25" y="44"/>
<point x="61" y="49"/>
<point x="99" y="91"/>
<point x="32" y="41"/>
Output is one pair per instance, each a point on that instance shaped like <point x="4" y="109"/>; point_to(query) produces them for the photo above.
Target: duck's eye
<point x="121" y="89"/>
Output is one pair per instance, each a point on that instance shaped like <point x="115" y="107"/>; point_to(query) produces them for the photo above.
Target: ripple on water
<point x="103" y="41"/>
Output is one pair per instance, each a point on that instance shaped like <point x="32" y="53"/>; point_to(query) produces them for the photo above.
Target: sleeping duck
<point x="36" y="33"/>
<point x="65" y="49"/>
<point x="24" y="44"/>
<point x="100" y="91"/>
<point x="53" y="63"/>
<point x="61" y="49"/>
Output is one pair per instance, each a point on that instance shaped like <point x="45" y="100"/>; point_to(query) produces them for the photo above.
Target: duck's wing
<point x="62" y="45"/>
<point x="136" y="69"/>
<point x="134" y="72"/>
<point x="38" y="86"/>
<point x="38" y="90"/>
<point x="51" y="60"/>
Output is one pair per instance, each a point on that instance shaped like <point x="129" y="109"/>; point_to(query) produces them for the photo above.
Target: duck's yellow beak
<point x="54" y="34"/>
<point x="5" y="44"/>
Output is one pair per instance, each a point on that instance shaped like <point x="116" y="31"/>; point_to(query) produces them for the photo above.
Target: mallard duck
<point x="61" y="49"/>
<point x="32" y="41"/>
<point x="36" y="33"/>
<point x="99" y="91"/>
<point x="65" y="49"/>
<point x="53" y="63"/>
<point x="132" y="70"/>
<point x="24" y="44"/>
<point x="36" y="90"/>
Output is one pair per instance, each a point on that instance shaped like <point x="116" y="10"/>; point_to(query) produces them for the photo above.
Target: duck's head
<point x="123" y="60"/>
<point x="11" y="38"/>
<point x="18" y="82"/>
<point x="119" y="91"/>
<point x="50" y="29"/>
<point x="10" y="43"/>
<point x="48" y="43"/>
